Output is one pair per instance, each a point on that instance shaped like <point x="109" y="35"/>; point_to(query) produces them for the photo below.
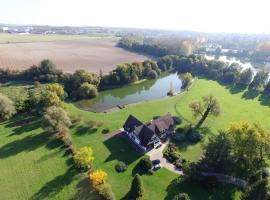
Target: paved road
<point x="157" y="154"/>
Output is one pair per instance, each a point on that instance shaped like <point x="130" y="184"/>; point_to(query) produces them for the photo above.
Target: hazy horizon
<point x="225" y="16"/>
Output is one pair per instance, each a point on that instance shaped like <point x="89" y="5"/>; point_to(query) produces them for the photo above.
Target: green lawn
<point x="33" y="165"/>
<point x="14" y="38"/>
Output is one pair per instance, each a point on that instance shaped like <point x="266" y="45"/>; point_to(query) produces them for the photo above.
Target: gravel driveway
<point x="155" y="154"/>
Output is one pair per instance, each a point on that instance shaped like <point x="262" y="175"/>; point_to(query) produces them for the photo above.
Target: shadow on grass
<point x="84" y="191"/>
<point x="82" y="129"/>
<point x="234" y="89"/>
<point x="250" y="94"/>
<point x="23" y="125"/>
<point x="120" y="149"/>
<point x="265" y="100"/>
<point x="29" y="143"/>
<point x="195" y="191"/>
<point x="53" y="187"/>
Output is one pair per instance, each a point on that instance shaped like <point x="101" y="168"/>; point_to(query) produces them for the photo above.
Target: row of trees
<point x="233" y="74"/>
<point x="44" y="72"/>
<point x="157" y="46"/>
<point x="131" y="72"/>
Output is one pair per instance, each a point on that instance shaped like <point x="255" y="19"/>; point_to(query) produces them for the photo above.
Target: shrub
<point x="105" y="130"/>
<point x="87" y="90"/>
<point x="137" y="189"/>
<point x="180" y="135"/>
<point x="72" y="149"/>
<point x="56" y="119"/>
<point x="171" y="153"/>
<point x="177" y="120"/>
<point x="97" y="178"/>
<point x="83" y="158"/>
<point x="181" y="196"/>
<point x="145" y="164"/>
<point x="193" y="136"/>
<point x="120" y="166"/>
<point x="152" y="74"/>
<point x="105" y="191"/>
<point x="7" y="109"/>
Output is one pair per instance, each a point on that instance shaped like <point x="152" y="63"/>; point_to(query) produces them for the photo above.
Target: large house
<point x="148" y="136"/>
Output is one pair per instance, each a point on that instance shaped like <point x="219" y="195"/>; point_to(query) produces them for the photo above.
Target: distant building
<point x="5" y="29"/>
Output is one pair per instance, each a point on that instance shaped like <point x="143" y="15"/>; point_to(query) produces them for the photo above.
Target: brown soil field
<point x="91" y="55"/>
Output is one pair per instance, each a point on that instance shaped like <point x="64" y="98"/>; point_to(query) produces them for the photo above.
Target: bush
<point x="152" y="74"/>
<point x="180" y="135"/>
<point x="97" y="178"/>
<point x="56" y="119"/>
<point x="171" y="153"/>
<point x="87" y="90"/>
<point x="137" y="189"/>
<point x="72" y="149"/>
<point x="193" y="136"/>
<point x="120" y="166"/>
<point x="83" y="158"/>
<point x="177" y="120"/>
<point x="105" y="130"/>
<point x="7" y="109"/>
<point x="181" y="196"/>
<point x="105" y="191"/>
<point x="145" y="164"/>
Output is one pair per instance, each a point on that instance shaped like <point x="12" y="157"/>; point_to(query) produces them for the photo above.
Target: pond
<point x="147" y="90"/>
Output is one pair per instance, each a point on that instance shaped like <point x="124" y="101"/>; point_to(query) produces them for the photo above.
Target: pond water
<point x="146" y="90"/>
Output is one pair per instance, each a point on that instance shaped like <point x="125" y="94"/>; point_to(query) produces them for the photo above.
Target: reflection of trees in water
<point x="128" y="90"/>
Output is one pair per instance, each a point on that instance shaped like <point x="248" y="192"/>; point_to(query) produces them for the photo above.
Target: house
<point x="148" y="136"/>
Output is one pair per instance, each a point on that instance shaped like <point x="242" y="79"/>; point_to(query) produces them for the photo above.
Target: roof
<point x="145" y="132"/>
<point x="131" y="123"/>
<point x="161" y="124"/>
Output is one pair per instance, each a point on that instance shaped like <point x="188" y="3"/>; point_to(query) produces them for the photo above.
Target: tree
<point x="83" y="158"/>
<point x="57" y="89"/>
<point x="259" y="81"/>
<point x="165" y="63"/>
<point x="97" y="178"/>
<point x="152" y="74"/>
<point x="87" y="90"/>
<point x="145" y="164"/>
<point x="137" y="189"/>
<point x="171" y="91"/>
<point x="245" y="77"/>
<point x="56" y="119"/>
<point x="7" y="108"/>
<point x="181" y="196"/>
<point x="217" y="153"/>
<point x="250" y="145"/>
<point x="186" y="80"/>
<point x="267" y="88"/>
<point x="209" y="105"/>
<point x="259" y="190"/>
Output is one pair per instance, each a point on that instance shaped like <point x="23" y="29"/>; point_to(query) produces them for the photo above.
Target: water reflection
<point x="147" y="90"/>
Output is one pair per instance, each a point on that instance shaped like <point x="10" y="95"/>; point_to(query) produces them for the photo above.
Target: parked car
<point x="158" y="146"/>
<point x="155" y="162"/>
<point x="156" y="167"/>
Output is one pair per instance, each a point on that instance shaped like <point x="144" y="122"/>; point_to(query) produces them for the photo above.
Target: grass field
<point x="67" y="52"/>
<point x="33" y="165"/>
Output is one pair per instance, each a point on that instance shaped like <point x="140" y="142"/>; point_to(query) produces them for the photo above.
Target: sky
<point x="239" y="16"/>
